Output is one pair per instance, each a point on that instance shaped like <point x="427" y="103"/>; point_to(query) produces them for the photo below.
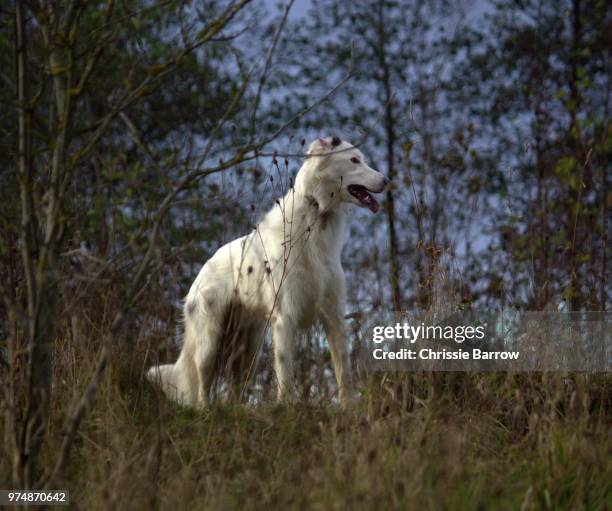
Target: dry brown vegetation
<point x="427" y="441"/>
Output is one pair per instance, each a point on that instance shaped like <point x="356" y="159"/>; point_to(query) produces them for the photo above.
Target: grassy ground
<point x="414" y="441"/>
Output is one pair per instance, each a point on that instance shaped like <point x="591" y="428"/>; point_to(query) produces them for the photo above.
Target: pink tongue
<point x="374" y="206"/>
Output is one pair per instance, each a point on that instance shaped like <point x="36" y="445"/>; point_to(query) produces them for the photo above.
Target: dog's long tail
<point x="179" y="380"/>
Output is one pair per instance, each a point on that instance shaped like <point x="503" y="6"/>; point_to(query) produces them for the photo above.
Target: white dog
<point x="287" y="273"/>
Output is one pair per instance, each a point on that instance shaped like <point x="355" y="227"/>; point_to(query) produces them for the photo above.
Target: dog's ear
<point x="323" y="143"/>
<point x="320" y="145"/>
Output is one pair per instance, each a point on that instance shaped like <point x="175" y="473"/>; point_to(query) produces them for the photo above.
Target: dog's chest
<point x="303" y="291"/>
<point x="307" y="282"/>
<point x="300" y="258"/>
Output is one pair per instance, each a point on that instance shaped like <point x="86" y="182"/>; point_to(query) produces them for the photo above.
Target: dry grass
<point x="426" y="441"/>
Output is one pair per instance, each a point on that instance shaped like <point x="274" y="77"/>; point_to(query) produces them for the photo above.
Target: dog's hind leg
<point x="205" y="359"/>
<point x="203" y="332"/>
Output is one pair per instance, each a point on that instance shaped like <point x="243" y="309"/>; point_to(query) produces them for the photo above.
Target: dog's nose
<point x="386" y="180"/>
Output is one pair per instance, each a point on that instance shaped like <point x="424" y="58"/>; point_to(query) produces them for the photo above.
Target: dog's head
<point x="338" y="172"/>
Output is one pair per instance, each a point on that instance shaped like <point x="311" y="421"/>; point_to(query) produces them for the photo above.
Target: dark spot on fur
<point x="210" y="303"/>
<point x="336" y="141"/>
<point x="312" y="201"/>
<point x="325" y="218"/>
<point x="268" y="270"/>
<point x="191" y="307"/>
<point x="250" y="269"/>
<point x="331" y="194"/>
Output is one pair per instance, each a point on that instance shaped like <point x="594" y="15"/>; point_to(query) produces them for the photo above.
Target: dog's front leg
<point x="332" y="318"/>
<point x="336" y="336"/>
<point x="283" y="336"/>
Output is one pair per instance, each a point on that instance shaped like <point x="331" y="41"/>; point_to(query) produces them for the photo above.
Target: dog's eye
<point x="355" y="160"/>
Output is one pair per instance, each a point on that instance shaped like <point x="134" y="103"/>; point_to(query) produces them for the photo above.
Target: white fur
<point x="286" y="272"/>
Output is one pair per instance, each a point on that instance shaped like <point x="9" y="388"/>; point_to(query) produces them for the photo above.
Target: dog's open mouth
<point x="363" y="195"/>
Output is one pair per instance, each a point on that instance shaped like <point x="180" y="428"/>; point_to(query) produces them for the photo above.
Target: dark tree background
<point x="493" y="121"/>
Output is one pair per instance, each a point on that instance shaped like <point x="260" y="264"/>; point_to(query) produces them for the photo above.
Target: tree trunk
<point x="391" y="171"/>
<point x="575" y="299"/>
<point x="32" y="386"/>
